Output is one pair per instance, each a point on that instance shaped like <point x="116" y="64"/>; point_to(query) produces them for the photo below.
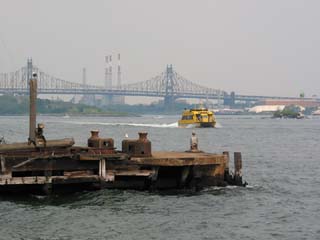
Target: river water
<point x="281" y="163"/>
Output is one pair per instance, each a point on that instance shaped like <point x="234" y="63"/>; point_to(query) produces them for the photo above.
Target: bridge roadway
<point x="145" y="93"/>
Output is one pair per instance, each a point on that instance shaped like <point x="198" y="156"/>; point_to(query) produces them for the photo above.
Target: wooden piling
<point x="227" y="156"/>
<point x="237" y="164"/>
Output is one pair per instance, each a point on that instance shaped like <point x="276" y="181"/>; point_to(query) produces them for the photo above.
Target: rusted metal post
<point x="237" y="164"/>
<point x="238" y="169"/>
<point x="102" y="168"/>
<point x="33" y="109"/>
<point x="227" y="177"/>
<point x="227" y="157"/>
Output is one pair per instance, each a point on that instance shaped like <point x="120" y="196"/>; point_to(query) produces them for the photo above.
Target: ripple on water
<point x="280" y="160"/>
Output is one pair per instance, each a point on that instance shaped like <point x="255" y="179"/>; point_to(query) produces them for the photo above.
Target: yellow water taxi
<point x="197" y="117"/>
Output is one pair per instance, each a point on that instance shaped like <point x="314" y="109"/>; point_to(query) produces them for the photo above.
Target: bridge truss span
<point x="18" y="81"/>
<point x="168" y="84"/>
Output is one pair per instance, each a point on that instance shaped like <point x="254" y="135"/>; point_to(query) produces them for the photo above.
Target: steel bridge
<point x="169" y="84"/>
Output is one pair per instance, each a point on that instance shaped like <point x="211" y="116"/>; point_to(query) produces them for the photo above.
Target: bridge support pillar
<point x="169" y="103"/>
<point x="88" y="100"/>
<point x="229" y="100"/>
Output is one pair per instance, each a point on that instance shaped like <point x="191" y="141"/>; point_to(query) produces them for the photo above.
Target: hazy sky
<point x="266" y="47"/>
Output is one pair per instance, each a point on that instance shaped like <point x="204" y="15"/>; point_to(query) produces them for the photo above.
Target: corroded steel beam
<point x="33" y="109"/>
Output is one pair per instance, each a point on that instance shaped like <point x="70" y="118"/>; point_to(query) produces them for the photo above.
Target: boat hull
<point x="197" y="125"/>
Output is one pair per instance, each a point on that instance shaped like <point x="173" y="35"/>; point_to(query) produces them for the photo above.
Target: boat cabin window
<point x="189" y="117"/>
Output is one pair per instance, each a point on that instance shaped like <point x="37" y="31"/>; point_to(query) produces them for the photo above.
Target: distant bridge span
<point x="169" y="84"/>
<point x="117" y="92"/>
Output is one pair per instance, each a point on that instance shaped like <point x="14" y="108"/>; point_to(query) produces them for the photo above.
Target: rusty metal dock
<point x="41" y="165"/>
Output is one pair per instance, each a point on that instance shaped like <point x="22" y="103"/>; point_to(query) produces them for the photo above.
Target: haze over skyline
<point x="251" y="47"/>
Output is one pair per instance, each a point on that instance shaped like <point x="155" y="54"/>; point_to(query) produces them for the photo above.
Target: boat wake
<point x="218" y="125"/>
<point x="161" y="125"/>
<point x="154" y="125"/>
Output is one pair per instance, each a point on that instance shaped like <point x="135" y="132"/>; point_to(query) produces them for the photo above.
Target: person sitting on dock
<point x="194" y="142"/>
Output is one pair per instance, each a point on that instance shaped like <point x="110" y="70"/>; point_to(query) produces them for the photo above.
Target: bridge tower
<point x="169" y="97"/>
<point x="86" y="99"/>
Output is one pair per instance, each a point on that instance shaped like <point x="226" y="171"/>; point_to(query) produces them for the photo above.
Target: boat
<point x="316" y="113"/>
<point x="197" y="117"/>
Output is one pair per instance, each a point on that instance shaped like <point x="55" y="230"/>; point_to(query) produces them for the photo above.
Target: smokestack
<point x="110" y="71"/>
<point x="106" y="74"/>
<point x="119" y="72"/>
<point x="84" y="76"/>
<point x="33" y="109"/>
